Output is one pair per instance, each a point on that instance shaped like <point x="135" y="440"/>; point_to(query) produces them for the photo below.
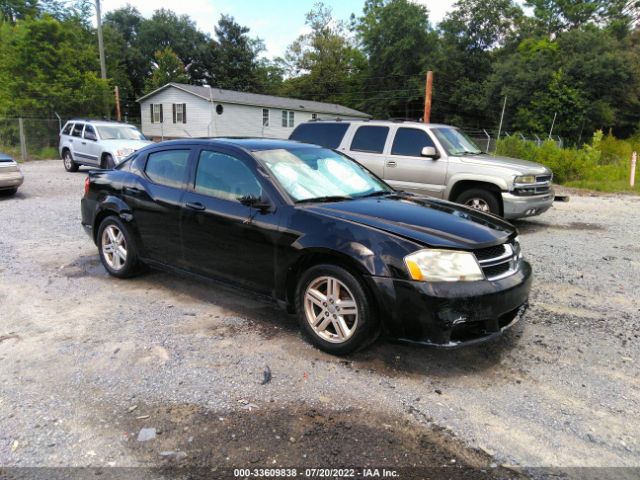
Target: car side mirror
<point x="261" y="204"/>
<point x="430" y="152"/>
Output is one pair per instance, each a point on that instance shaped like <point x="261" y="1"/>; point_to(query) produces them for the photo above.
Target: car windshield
<point x="119" y="132"/>
<point x="455" y="142"/>
<point x="309" y="174"/>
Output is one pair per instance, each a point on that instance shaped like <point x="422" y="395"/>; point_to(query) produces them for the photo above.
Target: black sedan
<point x="318" y="232"/>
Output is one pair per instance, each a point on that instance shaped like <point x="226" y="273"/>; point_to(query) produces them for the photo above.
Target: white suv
<point x="98" y="143"/>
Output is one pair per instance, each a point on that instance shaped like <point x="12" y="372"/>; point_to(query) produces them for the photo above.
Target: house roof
<point x="243" y="98"/>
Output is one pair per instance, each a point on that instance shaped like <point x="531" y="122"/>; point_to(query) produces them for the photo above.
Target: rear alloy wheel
<point x="117" y="249"/>
<point x="480" y="199"/>
<point x="334" y="310"/>
<point x="69" y="164"/>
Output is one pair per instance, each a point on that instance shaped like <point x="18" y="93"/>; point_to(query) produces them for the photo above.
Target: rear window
<point x="328" y="135"/>
<point x="370" y="139"/>
<point x="67" y="129"/>
<point x="77" y="130"/>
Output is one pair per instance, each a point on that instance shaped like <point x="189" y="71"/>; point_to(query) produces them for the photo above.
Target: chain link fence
<point x="34" y="138"/>
<point x="487" y="139"/>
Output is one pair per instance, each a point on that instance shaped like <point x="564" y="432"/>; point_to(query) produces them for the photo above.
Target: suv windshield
<point x="119" y="132"/>
<point x="455" y="142"/>
<point x="309" y="174"/>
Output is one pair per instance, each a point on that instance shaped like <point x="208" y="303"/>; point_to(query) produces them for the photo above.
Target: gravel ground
<point x="87" y="361"/>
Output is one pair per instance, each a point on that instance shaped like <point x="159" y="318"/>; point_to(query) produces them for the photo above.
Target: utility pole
<point x="117" y="92"/>
<point x="103" y="66"/>
<point x="552" y="124"/>
<point x="504" y="106"/>
<point x="426" y="117"/>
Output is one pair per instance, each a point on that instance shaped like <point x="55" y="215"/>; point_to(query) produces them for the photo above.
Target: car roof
<point x="100" y="122"/>
<point x="252" y="144"/>
<point x="380" y="122"/>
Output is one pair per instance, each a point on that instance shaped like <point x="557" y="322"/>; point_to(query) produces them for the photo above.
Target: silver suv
<point x="98" y="143"/>
<point x="440" y="161"/>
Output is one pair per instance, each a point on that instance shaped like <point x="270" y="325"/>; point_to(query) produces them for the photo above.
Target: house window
<point x="179" y="113"/>
<point x="314" y="116"/>
<point x="291" y="119"/>
<point x="265" y="117"/>
<point x="284" y="118"/>
<point x="156" y="113"/>
<point x="287" y="118"/>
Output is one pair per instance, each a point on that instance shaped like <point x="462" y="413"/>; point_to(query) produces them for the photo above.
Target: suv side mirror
<point x="261" y="204"/>
<point x="430" y="152"/>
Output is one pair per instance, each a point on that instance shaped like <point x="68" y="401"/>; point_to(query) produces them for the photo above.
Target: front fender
<point x="497" y="181"/>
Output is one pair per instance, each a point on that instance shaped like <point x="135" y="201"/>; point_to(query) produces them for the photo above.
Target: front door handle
<point x="84" y="143"/>
<point x="195" y="206"/>
<point x="391" y="164"/>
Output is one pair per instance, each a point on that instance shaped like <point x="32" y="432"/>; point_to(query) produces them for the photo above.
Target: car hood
<point x="428" y="221"/>
<point x="117" y="144"/>
<point x="520" y="166"/>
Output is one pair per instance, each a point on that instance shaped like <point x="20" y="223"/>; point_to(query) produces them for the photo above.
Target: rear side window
<point x="410" y="142"/>
<point x="67" y="129"/>
<point x="168" y="167"/>
<point x="370" y="139"/>
<point x="327" y="135"/>
<point x="77" y="129"/>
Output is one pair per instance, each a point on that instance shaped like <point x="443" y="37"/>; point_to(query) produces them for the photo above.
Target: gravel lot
<point x="87" y="361"/>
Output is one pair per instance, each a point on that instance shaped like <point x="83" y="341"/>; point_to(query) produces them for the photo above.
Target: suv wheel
<point x="117" y="248"/>
<point x="107" y="162"/>
<point x="69" y="164"/>
<point x="480" y="199"/>
<point x="334" y="310"/>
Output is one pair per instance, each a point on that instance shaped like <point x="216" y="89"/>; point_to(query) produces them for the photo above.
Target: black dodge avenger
<point x="318" y="232"/>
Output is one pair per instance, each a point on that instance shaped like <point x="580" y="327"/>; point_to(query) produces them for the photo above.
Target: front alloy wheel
<point x="114" y="247"/>
<point x="478" y="204"/>
<point x="331" y="309"/>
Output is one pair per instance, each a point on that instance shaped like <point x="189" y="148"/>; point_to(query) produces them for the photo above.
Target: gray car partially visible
<point x="10" y="175"/>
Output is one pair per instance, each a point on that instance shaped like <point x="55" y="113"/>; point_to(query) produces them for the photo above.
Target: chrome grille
<point x="500" y="261"/>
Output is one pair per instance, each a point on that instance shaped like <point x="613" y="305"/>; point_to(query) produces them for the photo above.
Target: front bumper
<point x="516" y="206"/>
<point x="11" y="180"/>
<point x="452" y="314"/>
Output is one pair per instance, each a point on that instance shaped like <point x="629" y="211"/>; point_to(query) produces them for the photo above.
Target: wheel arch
<point x="467" y="184"/>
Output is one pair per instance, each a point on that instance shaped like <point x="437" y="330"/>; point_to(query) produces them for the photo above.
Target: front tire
<point x="480" y="199"/>
<point x="107" y="162"/>
<point x="334" y="310"/>
<point x="117" y="248"/>
<point x="69" y="164"/>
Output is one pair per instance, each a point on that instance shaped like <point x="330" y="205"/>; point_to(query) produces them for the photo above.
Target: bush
<point x="603" y="165"/>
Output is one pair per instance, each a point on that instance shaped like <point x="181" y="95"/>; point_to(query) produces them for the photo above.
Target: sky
<point x="277" y="22"/>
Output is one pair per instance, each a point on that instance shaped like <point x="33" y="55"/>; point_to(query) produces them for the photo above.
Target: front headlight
<point x="123" y="152"/>
<point x="525" y="179"/>
<point x="443" y="266"/>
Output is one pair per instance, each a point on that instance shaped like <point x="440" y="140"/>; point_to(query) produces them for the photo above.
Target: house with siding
<point x="178" y="110"/>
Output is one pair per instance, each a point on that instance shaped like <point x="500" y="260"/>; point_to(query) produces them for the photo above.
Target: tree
<point x="399" y="44"/>
<point x="323" y="64"/>
<point x="234" y="57"/>
<point x="168" y="68"/>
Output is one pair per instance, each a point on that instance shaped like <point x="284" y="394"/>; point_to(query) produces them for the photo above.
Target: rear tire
<point x="334" y="310"/>
<point x="9" y="192"/>
<point x="480" y="199"/>
<point x="117" y="248"/>
<point x="69" y="164"/>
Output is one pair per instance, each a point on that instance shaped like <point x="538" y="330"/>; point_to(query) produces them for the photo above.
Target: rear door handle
<point x="195" y="206"/>
<point x="84" y="143"/>
<point x="391" y="164"/>
<point x="131" y="190"/>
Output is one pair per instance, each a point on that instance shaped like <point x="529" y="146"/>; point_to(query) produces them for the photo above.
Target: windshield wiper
<point x="379" y="193"/>
<point x="327" y="198"/>
<point x="467" y="152"/>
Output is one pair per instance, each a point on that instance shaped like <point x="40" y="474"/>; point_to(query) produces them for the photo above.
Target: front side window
<point x="168" y="167"/>
<point x="265" y="117"/>
<point x="455" y="142"/>
<point x="90" y="133"/>
<point x="409" y="142"/>
<point x="77" y="130"/>
<point x="308" y="173"/>
<point x="370" y="139"/>
<point x="67" y="129"/>
<point x="226" y="177"/>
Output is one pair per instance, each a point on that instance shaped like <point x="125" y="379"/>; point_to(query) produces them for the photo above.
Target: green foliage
<point x="168" y="68"/>
<point x="602" y="165"/>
